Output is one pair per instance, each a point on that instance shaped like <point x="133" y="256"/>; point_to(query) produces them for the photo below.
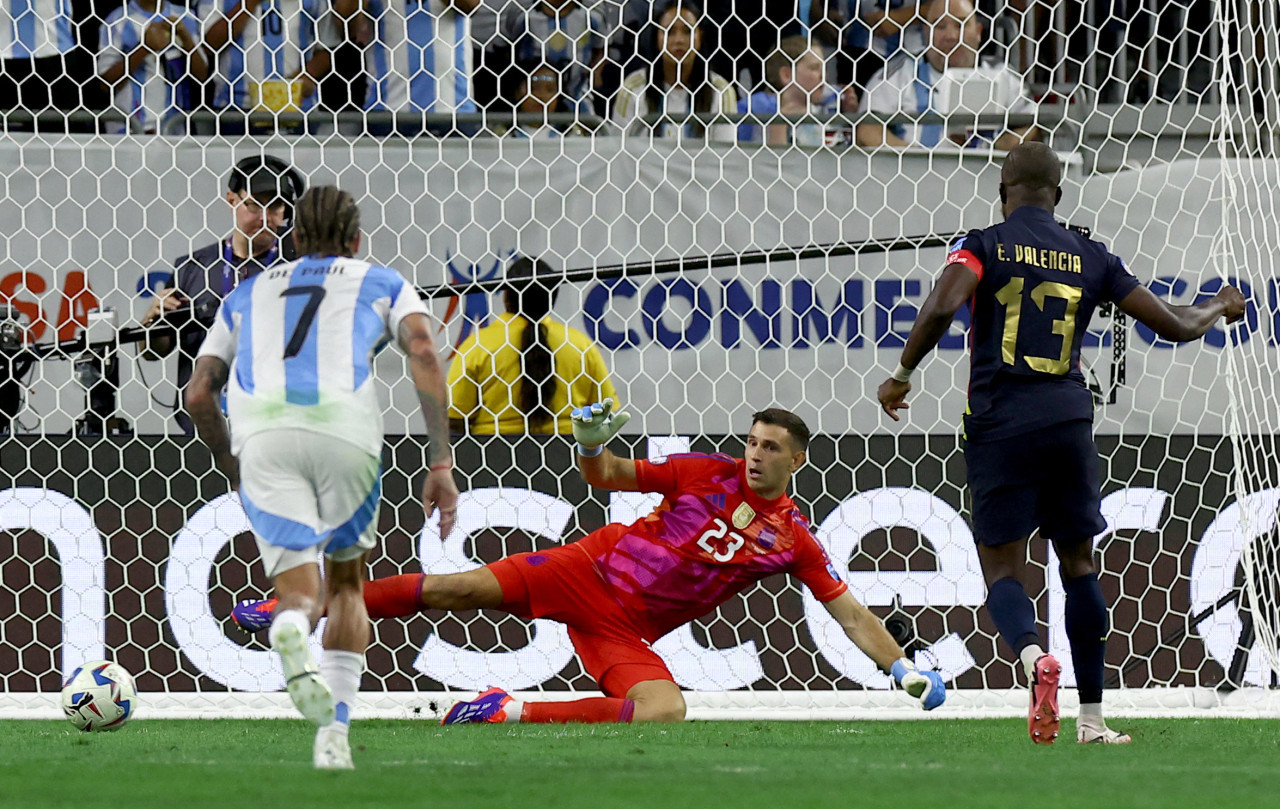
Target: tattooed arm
<point x="438" y="490"/>
<point x="202" y="394"/>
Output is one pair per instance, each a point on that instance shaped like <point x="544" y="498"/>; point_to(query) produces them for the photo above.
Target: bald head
<point x="1031" y="175"/>
<point x="1032" y="165"/>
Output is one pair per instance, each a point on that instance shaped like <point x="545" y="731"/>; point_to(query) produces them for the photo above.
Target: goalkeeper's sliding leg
<point x="637" y="685"/>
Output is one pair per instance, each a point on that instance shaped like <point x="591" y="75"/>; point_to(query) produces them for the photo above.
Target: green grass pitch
<point x="1207" y="764"/>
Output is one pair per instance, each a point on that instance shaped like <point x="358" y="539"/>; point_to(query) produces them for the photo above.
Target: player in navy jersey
<point x="1032" y="286"/>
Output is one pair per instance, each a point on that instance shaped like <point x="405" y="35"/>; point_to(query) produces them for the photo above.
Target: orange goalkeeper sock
<point x="593" y="709"/>
<point x="394" y="596"/>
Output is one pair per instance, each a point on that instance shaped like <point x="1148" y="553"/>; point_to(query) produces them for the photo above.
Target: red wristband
<point x="443" y="466"/>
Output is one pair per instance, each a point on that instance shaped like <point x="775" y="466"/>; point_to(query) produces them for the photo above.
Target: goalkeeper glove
<point x="595" y="424"/>
<point x="926" y="686"/>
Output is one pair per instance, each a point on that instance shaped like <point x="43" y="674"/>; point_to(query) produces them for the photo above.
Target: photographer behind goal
<point x="261" y="191"/>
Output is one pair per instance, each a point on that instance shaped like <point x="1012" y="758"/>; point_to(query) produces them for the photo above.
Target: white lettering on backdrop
<point x="956" y="582"/>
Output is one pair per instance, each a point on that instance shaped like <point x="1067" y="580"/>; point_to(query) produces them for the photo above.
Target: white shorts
<point x="304" y="493"/>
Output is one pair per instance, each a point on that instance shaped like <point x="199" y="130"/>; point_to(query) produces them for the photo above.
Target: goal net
<point x="1247" y="255"/>
<point x="722" y="256"/>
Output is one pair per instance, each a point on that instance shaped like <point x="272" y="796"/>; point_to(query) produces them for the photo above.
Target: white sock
<point x="1091" y="716"/>
<point x="341" y="670"/>
<point x="514" y="708"/>
<point x="333" y="729"/>
<point x="297" y="618"/>
<point x="1029" y="657"/>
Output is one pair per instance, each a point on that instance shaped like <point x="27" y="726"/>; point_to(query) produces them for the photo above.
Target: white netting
<point x="720" y="263"/>
<point x="1248" y="259"/>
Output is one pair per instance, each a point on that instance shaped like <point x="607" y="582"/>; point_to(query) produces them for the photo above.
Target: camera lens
<point x="10" y="335"/>
<point x="899" y="629"/>
<point x="87" y="370"/>
<point x="10" y="329"/>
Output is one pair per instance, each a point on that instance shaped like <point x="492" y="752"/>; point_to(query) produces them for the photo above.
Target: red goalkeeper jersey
<point x="709" y="539"/>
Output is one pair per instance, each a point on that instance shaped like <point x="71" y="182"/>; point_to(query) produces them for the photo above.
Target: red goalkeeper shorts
<point x="562" y="584"/>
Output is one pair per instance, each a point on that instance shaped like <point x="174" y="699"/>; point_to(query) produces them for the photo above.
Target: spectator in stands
<point x="629" y="51"/>
<point x="525" y="372"/>
<point x="260" y="193"/>
<point x="36" y="42"/>
<point x="149" y="55"/>
<point x="271" y="54"/>
<point x="678" y="82"/>
<point x="419" y="58"/>
<point x="818" y="20"/>
<point x="562" y="33"/>
<point x="486" y="86"/>
<point x="879" y="30"/>
<point x="907" y="85"/>
<point x="728" y="28"/>
<point x="795" y="85"/>
<point x="822" y="22"/>
<point x="538" y="92"/>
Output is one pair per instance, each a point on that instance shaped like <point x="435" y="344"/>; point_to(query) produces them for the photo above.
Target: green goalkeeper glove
<point x="595" y="424"/>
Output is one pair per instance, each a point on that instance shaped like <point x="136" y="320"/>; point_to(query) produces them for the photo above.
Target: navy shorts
<point x="1047" y="479"/>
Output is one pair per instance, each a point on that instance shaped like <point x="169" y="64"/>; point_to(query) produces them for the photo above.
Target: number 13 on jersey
<point x="1010" y="295"/>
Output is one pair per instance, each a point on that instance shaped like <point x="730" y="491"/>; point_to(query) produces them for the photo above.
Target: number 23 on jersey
<point x="719" y="532"/>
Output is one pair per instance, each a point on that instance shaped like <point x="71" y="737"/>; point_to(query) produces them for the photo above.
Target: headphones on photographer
<point x="292" y="184"/>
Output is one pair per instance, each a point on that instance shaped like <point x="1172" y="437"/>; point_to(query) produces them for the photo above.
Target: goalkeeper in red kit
<point x="724" y="524"/>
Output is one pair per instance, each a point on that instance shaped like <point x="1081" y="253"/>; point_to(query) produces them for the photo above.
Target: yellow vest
<point x="484" y="378"/>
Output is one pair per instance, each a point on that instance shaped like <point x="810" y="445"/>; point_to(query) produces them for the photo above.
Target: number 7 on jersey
<point x="315" y="294"/>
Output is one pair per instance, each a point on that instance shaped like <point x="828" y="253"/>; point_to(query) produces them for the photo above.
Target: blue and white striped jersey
<point x="571" y="41"/>
<point x="34" y="29"/>
<point x="420" y="57"/>
<point x="908" y="85"/>
<point x="300" y="340"/>
<point x="274" y="46"/>
<point x="912" y="39"/>
<point x="158" y="86"/>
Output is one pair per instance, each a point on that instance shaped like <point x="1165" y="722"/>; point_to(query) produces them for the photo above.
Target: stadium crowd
<point x="610" y="63"/>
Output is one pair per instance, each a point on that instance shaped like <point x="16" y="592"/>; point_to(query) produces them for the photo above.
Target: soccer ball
<point x="99" y="696"/>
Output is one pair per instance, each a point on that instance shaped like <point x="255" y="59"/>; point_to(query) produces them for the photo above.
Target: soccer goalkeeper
<point x="724" y="524"/>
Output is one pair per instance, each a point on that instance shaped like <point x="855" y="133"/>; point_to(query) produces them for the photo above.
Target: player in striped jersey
<point x="262" y="41"/>
<point x="724" y="524"/>
<point x="294" y="347"/>
<point x="420" y="58"/>
<point x="148" y="51"/>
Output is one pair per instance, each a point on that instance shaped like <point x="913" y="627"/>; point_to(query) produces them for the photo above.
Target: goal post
<point x="718" y="273"/>
<point x="1247" y="256"/>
